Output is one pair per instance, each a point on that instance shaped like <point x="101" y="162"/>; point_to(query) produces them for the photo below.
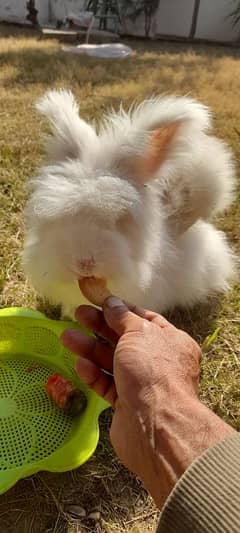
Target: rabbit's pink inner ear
<point x="143" y="167"/>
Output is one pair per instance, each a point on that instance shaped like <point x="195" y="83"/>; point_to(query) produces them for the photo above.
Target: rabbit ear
<point x="152" y="133"/>
<point x="71" y="136"/>
<point x="142" y="168"/>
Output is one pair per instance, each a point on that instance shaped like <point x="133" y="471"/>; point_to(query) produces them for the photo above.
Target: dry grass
<point x="28" y="67"/>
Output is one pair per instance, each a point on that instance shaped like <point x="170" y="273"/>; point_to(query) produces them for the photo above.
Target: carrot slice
<point x="94" y="289"/>
<point x="65" y="395"/>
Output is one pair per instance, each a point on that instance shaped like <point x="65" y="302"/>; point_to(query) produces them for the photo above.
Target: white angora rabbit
<point x="130" y="204"/>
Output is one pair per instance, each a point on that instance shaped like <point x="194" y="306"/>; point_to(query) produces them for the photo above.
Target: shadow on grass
<point x="50" y="65"/>
<point x="51" y="311"/>
<point x="198" y="322"/>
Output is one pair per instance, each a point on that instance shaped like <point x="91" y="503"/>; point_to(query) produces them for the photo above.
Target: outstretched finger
<point x="157" y="319"/>
<point x="124" y="318"/>
<point x="93" y="319"/>
<point x="88" y="347"/>
<point x="97" y="380"/>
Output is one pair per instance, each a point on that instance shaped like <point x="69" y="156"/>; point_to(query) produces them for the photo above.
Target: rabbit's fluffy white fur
<point x="130" y="203"/>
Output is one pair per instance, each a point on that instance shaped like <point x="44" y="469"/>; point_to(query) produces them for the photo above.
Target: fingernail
<point x="113" y="302"/>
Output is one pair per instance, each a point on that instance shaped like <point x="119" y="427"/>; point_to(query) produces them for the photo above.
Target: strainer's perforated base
<point x="34" y="434"/>
<point x="31" y="426"/>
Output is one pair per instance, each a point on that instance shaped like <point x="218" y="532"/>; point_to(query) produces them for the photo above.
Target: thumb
<point x="119" y="318"/>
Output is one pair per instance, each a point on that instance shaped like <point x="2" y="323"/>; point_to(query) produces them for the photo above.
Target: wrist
<point x="178" y="434"/>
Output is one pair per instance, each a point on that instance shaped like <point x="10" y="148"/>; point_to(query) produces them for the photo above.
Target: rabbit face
<point x="82" y="224"/>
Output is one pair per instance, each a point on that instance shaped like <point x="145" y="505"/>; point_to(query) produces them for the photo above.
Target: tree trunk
<point x="194" y="19"/>
<point x="150" y="7"/>
<point x="32" y="13"/>
<point x="148" y="20"/>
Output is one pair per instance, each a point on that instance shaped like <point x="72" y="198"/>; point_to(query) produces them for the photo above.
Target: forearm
<point x="176" y="439"/>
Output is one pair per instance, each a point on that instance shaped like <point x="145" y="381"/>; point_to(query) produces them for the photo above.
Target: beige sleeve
<point x="207" y="497"/>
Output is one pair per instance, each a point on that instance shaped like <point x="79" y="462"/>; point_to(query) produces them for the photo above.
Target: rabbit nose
<point x="86" y="266"/>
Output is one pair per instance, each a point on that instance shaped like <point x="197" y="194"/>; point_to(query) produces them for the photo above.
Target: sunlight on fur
<point x="132" y="200"/>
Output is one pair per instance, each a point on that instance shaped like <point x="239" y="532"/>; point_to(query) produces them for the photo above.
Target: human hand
<point x="159" y="426"/>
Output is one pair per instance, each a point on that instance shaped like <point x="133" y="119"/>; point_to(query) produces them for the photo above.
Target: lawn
<point x="27" y="68"/>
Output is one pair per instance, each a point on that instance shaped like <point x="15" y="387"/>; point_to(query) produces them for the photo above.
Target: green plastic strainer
<point x="34" y="434"/>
